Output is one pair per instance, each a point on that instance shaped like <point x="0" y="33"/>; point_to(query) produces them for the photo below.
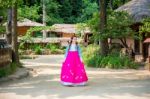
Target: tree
<point x="114" y="4"/>
<point x="15" y="56"/>
<point x="54" y="11"/>
<point x="111" y="4"/>
<point x="13" y="5"/>
<point x="66" y="11"/>
<point x="115" y="29"/>
<point x="44" y="17"/>
<point x="2" y="20"/>
<point x="102" y="26"/>
<point x="145" y="28"/>
<point x="9" y="26"/>
<point x="88" y="9"/>
<point x="59" y="11"/>
<point x="118" y="27"/>
<point x="29" y="12"/>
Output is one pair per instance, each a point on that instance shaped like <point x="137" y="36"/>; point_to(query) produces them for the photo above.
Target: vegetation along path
<point x="103" y="83"/>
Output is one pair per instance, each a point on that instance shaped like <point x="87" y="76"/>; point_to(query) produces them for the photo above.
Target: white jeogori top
<point x="73" y="47"/>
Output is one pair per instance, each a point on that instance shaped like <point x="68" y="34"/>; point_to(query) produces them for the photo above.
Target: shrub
<point x="113" y="60"/>
<point x="7" y="70"/>
<point x="55" y="49"/>
<point x="38" y="50"/>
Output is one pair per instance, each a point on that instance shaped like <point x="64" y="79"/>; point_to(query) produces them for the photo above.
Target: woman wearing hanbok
<point x="73" y="72"/>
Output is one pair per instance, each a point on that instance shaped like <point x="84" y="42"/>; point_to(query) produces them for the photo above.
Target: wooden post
<point x="141" y="48"/>
<point x="149" y="63"/>
<point x="149" y="57"/>
<point x="44" y="19"/>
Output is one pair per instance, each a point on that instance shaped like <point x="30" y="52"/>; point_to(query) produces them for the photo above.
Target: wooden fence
<point x="5" y="56"/>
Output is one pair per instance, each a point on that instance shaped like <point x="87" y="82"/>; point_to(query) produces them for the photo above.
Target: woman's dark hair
<point x="71" y="41"/>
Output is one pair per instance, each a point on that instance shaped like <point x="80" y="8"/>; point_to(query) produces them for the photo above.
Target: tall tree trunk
<point x="9" y="26"/>
<point x="103" y="42"/>
<point x="44" y="18"/>
<point x="15" y="56"/>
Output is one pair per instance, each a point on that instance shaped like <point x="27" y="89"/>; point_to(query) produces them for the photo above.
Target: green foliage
<point x="117" y="25"/>
<point x="8" y="3"/>
<point x="145" y="28"/>
<point x="113" y="60"/>
<point x="52" y="10"/>
<point x="80" y="29"/>
<point x="52" y="47"/>
<point x="57" y="11"/>
<point x="39" y="28"/>
<point x="3" y="15"/>
<point x="116" y="3"/>
<point x="7" y="70"/>
<point x="28" y="37"/>
<point x="88" y="53"/>
<point x="93" y="23"/>
<point x="24" y="39"/>
<point x="29" y="12"/>
<point x="88" y="9"/>
<point x="38" y="49"/>
<point x="74" y="11"/>
<point x="2" y="29"/>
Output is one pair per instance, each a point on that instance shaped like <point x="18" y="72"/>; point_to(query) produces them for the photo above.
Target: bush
<point x="52" y="46"/>
<point x="38" y="50"/>
<point x="112" y="60"/>
<point x="55" y="49"/>
<point x="7" y="70"/>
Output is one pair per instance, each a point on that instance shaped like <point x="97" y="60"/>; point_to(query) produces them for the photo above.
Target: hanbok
<point x="73" y="71"/>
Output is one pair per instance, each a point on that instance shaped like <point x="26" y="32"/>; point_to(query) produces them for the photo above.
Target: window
<point x="38" y="34"/>
<point x="52" y="34"/>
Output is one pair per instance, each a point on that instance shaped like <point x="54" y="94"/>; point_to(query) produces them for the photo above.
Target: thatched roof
<point x="67" y="28"/>
<point x="27" y="22"/>
<point x="49" y="40"/>
<point x="138" y="9"/>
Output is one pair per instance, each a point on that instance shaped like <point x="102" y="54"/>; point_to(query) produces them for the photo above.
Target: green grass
<point x="7" y="70"/>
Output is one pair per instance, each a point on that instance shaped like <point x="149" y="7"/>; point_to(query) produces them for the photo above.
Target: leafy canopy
<point x="117" y="25"/>
<point x="145" y="28"/>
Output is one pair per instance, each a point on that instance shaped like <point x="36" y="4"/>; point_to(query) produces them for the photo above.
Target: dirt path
<point x="103" y="84"/>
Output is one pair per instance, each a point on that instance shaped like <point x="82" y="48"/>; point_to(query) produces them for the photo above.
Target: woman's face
<point x="74" y="39"/>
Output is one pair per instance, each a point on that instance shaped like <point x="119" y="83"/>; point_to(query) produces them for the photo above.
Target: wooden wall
<point x="67" y="34"/>
<point x="5" y="56"/>
<point x="22" y="30"/>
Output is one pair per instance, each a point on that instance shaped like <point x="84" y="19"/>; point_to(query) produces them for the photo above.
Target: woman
<point x="73" y="72"/>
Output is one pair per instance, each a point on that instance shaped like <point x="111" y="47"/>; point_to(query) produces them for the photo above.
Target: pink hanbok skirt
<point x="73" y="71"/>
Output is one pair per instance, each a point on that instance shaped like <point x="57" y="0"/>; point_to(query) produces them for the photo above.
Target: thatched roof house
<point x="65" y="31"/>
<point x="138" y="9"/>
<point x="27" y="22"/>
<point x="67" y="28"/>
<point x="24" y="25"/>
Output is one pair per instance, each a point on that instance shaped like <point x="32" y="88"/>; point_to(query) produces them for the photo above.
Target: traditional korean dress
<point x="73" y="71"/>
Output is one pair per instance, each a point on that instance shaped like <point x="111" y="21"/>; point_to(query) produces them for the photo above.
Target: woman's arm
<point x="66" y="51"/>
<point x="79" y="51"/>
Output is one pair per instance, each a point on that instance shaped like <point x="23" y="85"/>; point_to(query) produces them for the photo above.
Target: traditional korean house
<point x="24" y="25"/>
<point x="139" y="10"/>
<point x="66" y="31"/>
